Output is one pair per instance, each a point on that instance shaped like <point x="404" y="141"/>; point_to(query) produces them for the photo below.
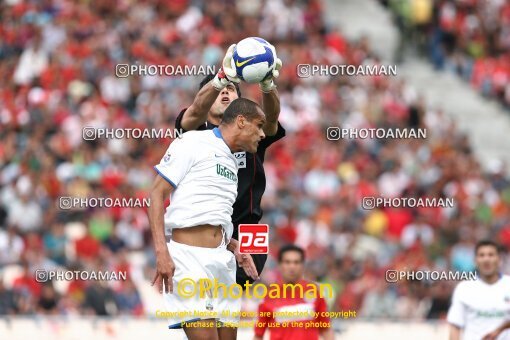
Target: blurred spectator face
<point x="48" y="292"/>
<point x="488" y="261"/>
<point x="227" y="95"/>
<point x="292" y="267"/>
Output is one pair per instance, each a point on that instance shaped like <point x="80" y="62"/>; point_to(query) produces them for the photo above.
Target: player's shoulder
<point x="189" y="141"/>
<point x="466" y="286"/>
<point x="505" y="279"/>
<point x="196" y="136"/>
<point x="469" y="285"/>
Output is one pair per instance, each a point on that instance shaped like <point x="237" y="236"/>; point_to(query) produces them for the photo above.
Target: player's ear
<point x="241" y="121"/>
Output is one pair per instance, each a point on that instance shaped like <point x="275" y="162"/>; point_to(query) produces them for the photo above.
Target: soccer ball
<point x="253" y="59"/>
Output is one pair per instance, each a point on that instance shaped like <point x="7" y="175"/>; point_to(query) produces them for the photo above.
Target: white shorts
<point x="195" y="263"/>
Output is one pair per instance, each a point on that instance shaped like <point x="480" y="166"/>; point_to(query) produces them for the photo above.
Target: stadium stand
<point x="468" y="38"/>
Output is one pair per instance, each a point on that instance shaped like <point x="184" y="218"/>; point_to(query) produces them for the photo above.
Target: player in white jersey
<point x="200" y="172"/>
<point x="481" y="306"/>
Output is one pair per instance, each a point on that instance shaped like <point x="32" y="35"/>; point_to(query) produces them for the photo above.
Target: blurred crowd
<point x="470" y="38"/>
<point x="59" y="58"/>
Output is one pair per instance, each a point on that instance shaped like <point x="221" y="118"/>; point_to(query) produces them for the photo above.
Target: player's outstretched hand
<point x="245" y="261"/>
<point x="228" y="65"/>
<point x="277" y="67"/>
<point x="227" y="72"/>
<point x="165" y="269"/>
<point x="268" y="84"/>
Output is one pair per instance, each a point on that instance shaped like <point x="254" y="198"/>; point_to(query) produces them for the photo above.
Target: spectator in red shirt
<point x="26" y="283"/>
<point x="87" y="247"/>
<point x="291" y="261"/>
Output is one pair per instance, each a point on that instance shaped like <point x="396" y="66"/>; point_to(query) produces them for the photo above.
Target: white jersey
<point x="479" y="308"/>
<point x="203" y="172"/>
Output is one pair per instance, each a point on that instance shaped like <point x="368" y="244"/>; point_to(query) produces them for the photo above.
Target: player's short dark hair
<point x="290" y="247"/>
<point x="210" y="77"/>
<point x="240" y="106"/>
<point x="490" y="243"/>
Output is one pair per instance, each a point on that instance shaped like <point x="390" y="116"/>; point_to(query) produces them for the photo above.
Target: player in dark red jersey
<point x="272" y="310"/>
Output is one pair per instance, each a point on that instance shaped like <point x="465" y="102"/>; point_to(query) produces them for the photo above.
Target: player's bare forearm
<point x="196" y="114"/>
<point x="160" y="191"/>
<point x="257" y="337"/>
<point x="165" y="266"/>
<point x="454" y="333"/>
<point x="232" y="246"/>
<point x="271" y="107"/>
<point x="504" y="326"/>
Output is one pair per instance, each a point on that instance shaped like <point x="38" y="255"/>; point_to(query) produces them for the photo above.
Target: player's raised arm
<point x="165" y="267"/>
<point x="271" y="101"/>
<point x="196" y="114"/>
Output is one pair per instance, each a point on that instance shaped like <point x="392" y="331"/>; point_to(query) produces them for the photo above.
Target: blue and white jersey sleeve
<point x="177" y="161"/>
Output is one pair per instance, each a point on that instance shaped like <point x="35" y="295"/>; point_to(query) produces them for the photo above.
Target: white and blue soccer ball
<point x="254" y="59"/>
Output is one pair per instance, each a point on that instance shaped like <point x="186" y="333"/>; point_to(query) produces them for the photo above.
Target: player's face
<point x="252" y="132"/>
<point x="487" y="261"/>
<point x="226" y="96"/>
<point x="292" y="267"/>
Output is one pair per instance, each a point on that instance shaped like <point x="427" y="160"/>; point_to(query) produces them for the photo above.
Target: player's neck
<point x="229" y="138"/>
<point x="490" y="279"/>
<point x="292" y="280"/>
